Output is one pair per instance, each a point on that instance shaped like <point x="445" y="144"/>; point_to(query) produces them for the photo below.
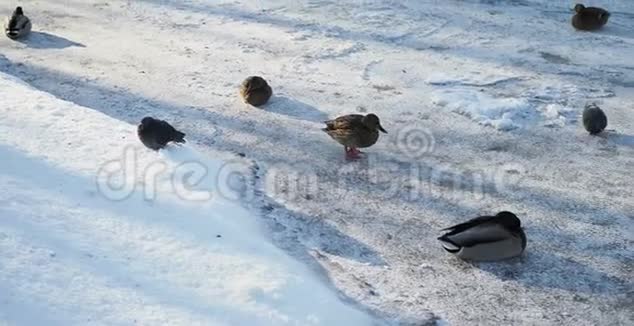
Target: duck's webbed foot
<point x="352" y="153"/>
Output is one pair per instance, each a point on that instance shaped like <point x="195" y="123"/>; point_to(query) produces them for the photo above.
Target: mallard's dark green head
<point x="509" y="220"/>
<point x="147" y="120"/>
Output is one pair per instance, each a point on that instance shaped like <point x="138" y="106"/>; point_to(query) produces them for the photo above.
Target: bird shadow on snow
<point x="131" y="107"/>
<point x="295" y="109"/>
<point x="621" y="139"/>
<point x="616" y="29"/>
<point x="42" y="40"/>
<point x="544" y="269"/>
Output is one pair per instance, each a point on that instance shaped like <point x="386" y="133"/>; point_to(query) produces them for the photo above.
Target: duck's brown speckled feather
<point x="255" y="91"/>
<point x="350" y="131"/>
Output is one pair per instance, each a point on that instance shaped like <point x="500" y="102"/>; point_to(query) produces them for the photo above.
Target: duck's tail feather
<point x="179" y="137"/>
<point x="448" y="245"/>
<point x="604" y="16"/>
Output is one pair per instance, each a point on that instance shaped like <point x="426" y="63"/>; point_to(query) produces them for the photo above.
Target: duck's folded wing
<point x="597" y="13"/>
<point x="469" y="224"/>
<point x="344" y="122"/>
<point x="17" y="23"/>
<point x="483" y="233"/>
<point x="21" y="23"/>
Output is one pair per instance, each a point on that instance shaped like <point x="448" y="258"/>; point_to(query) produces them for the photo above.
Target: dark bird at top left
<point x="155" y="133"/>
<point x="18" y="25"/>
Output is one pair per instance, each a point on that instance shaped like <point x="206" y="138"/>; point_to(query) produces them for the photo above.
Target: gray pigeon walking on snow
<point x="594" y="120"/>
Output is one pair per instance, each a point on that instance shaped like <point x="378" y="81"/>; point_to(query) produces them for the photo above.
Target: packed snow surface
<point x="142" y="250"/>
<point x="259" y="219"/>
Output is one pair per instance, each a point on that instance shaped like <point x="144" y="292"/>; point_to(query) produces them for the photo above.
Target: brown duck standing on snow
<point x="255" y="91"/>
<point x="155" y="133"/>
<point x="18" y="25"/>
<point x="354" y="131"/>
<point x="589" y="18"/>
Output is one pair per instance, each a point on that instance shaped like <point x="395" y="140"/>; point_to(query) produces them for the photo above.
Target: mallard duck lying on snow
<point x="18" y="25"/>
<point x="486" y="238"/>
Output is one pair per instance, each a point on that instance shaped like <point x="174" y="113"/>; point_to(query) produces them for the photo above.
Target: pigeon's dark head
<point x="18" y="11"/>
<point x="509" y="220"/>
<point x="147" y="120"/>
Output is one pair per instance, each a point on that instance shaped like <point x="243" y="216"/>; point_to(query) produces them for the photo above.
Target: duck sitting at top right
<point x="589" y="18"/>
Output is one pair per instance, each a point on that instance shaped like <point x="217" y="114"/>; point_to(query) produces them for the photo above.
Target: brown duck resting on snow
<point x="354" y="131"/>
<point x="589" y="18"/>
<point x="255" y="91"/>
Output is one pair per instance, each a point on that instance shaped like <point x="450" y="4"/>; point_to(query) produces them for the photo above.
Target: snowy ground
<point x="482" y="101"/>
<point x="148" y="248"/>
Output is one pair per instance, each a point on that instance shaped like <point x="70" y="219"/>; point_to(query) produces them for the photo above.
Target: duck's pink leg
<point x="352" y="154"/>
<point x="348" y="152"/>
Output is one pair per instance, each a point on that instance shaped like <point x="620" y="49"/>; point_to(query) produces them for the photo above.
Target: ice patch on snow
<point x="556" y="115"/>
<point x="500" y="113"/>
<point x="470" y="79"/>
